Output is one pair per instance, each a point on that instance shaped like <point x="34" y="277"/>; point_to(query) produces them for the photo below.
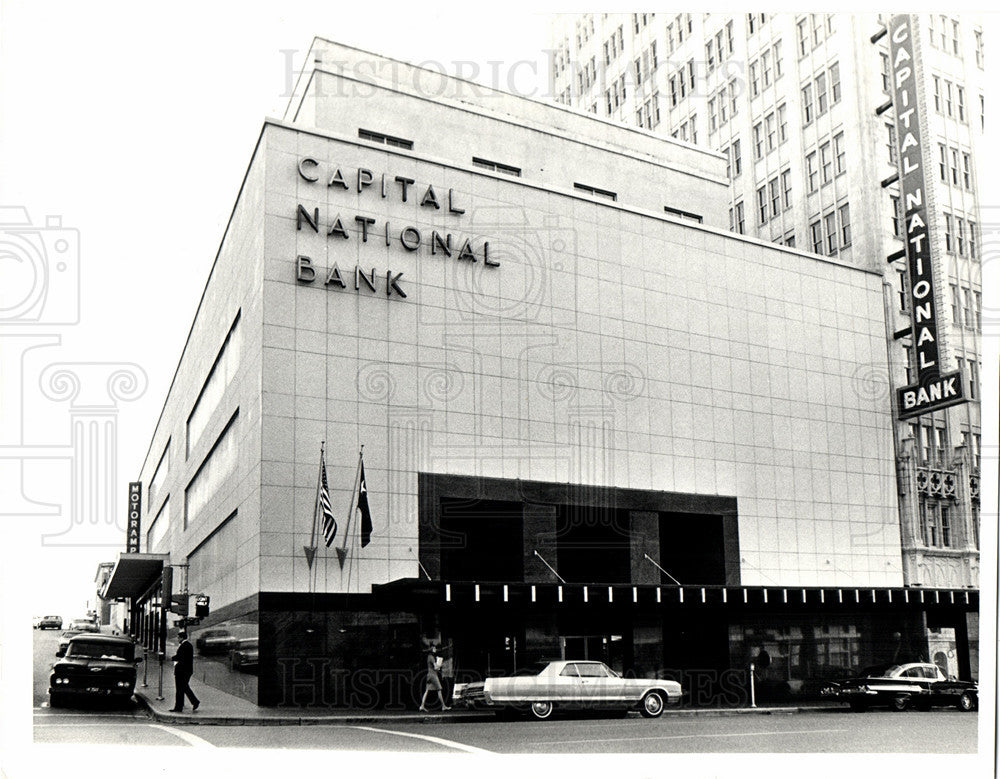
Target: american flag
<point x="329" y="523"/>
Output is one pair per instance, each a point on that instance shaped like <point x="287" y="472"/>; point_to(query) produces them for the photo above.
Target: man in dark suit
<point x="183" y="668"/>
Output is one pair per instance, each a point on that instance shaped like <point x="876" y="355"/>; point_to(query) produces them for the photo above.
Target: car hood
<point x="94" y="664"/>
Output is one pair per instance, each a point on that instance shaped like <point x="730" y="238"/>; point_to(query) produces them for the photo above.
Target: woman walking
<point x="433" y="680"/>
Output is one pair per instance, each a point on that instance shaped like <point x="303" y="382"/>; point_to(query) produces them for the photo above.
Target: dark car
<point x="94" y="666"/>
<point x="243" y="655"/>
<point x="64" y="641"/>
<point x="54" y="623"/>
<point x="920" y="685"/>
<point x="214" y="642"/>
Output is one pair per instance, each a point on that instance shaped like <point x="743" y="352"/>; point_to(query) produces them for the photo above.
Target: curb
<point x="472" y="716"/>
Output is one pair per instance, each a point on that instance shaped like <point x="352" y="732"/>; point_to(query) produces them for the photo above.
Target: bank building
<point x="562" y="411"/>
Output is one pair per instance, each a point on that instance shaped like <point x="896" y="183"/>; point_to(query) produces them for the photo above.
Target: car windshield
<point x="101" y="650"/>
<point x="883" y="671"/>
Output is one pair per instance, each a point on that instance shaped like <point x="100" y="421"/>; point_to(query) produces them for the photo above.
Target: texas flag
<point x="366" y="514"/>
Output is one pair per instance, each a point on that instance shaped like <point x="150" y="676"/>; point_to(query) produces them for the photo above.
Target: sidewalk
<point x="220" y="708"/>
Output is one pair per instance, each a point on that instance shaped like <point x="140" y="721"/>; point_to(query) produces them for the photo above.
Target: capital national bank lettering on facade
<point x="933" y="389"/>
<point x="409" y="237"/>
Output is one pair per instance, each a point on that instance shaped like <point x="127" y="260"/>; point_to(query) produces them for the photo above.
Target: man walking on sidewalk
<point x="183" y="669"/>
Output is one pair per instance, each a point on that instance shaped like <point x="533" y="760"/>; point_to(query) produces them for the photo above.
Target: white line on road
<point x="188" y="737"/>
<point x="433" y="739"/>
<point x="193" y="740"/>
<point x="694" y="735"/>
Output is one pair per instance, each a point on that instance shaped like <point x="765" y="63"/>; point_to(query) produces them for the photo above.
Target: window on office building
<point x="891" y="132"/>
<point x="978" y="35"/>
<point x="807" y="104"/>
<point x="894" y="201"/>
<point x="812" y="176"/>
<point x="973" y="379"/>
<point x="754" y="80"/>
<point x="954" y="166"/>
<point x="831" y="233"/>
<point x="943" y="162"/>
<point x="758" y="141"/>
<point x="885" y="72"/>
<point x="214" y="471"/>
<point x="961" y="102"/>
<point x="774" y="190"/>
<point x="816" y="235"/>
<point x="967" y="170"/>
<point x="762" y="205"/>
<point x="782" y="123"/>
<point x="825" y="163"/>
<point x="937" y="94"/>
<point x="821" y="98"/>
<point x="770" y="131"/>
<point x="740" y="219"/>
<point x="844" y="212"/>
<point x="901" y="276"/>
<point x="786" y="187"/>
<point x="219" y="377"/>
<point x="835" y="83"/>
<point x="956" y="305"/>
<point x="949" y="229"/>
<point x="960" y="235"/>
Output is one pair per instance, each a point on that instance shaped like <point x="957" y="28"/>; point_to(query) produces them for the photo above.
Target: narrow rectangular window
<point x="821" y="99"/>
<point x="775" y="193"/>
<point x="786" y="187"/>
<point x="831" y="233"/>
<point x="816" y="233"/>
<point x="825" y="163"/>
<point x="762" y="205"/>
<point x="811" y="173"/>
<point x="807" y="104"/>
<point x="967" y="170"/>
<point x="737" y="158"/>
<point x="840" y="156"/>
<point x="947" y="232"/>
<point x="835" y="82"/>
<point x="845" y="225"/>
<point x="782" y="123"/>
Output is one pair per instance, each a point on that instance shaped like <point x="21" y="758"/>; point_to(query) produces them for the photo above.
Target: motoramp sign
<point x="933" y="389"/>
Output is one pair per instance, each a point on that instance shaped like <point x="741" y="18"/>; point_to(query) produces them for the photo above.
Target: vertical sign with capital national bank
<point x="134" y="515"/>
<point x="933" y="389"/>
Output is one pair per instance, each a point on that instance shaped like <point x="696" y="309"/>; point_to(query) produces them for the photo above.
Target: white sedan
<point x="577" y="684"/>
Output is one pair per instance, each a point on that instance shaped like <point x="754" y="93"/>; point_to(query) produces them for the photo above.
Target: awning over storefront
<point x="425" y="593"/>
<point x="134" y="574"/>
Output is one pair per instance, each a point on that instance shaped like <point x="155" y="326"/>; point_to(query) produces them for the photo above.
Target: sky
<point x="133" y="124"/>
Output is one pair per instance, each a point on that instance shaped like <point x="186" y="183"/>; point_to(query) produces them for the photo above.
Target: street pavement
<point x="792" y="731"/>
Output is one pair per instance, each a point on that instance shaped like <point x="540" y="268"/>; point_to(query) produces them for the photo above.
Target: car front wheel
<point x="966" y="702"/>
<point x="542" y="709"/>
<point x="652" y="704"/>
<point x="56" y="701"/>
<point x="900" y="703"/>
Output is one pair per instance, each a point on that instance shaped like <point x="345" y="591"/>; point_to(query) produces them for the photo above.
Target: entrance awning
<point x="134" y="574"/>
<point x="426" y="593"/>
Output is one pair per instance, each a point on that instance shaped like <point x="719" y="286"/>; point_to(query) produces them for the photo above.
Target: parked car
<point x="94" y="666"/>
<point x="54" y="623"/>
<point x="568" y="684"/>
<point x="64" y="640"/>
<point x="921" y="685"/>
<point x="243" y="655"/>
<point x="84" y="626"/>
<point x="214" y="642"/>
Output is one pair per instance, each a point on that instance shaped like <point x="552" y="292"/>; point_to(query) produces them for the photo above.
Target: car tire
<point x="900" y="703"/>
<point x="542" y="709"/>
<point x="966" y="702"/>
<point x="652" y="704"/>
<point x="56" y="701"/>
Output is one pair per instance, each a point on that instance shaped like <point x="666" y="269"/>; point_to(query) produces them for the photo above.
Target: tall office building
<point x="801" y="106"/>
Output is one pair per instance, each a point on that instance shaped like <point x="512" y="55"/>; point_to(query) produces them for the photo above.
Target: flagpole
<point x="342" y="550"/>
<point x="310" y="551"/>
